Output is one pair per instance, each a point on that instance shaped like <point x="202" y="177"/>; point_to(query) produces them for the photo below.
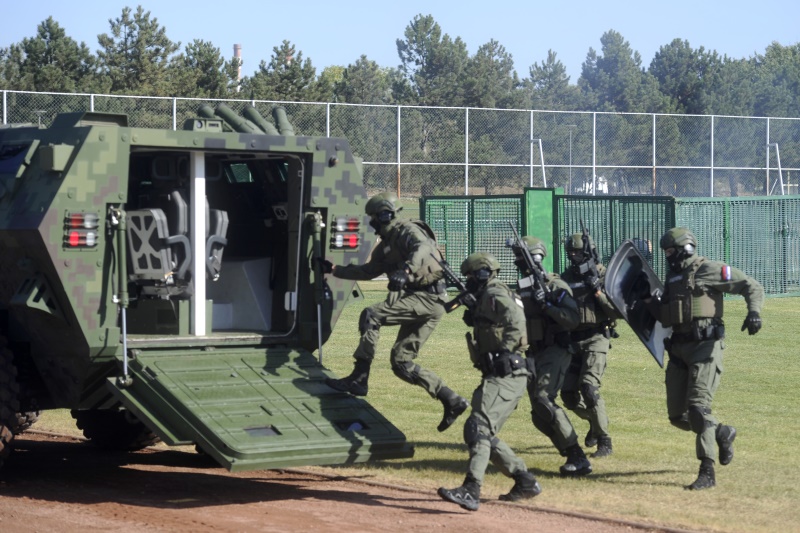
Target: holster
<point x="502" y="365"/>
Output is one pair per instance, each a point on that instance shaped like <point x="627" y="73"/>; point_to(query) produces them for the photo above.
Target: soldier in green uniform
<point x="550" y="312"/>
<point x="692" y="304"/>
<point x="497" y="350"/>
<point x="590" y="341"/>
<point x="406" y="253"/>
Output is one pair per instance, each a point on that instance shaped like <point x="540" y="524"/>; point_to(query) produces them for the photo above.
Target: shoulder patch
<point x="725" y="273"/>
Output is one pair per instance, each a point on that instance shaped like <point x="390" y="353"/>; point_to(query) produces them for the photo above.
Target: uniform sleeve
<point x="373" y="268"/>
<point x="566" y="313"/>
<point x="602" y="298"/>
<point x="725" y="278"/>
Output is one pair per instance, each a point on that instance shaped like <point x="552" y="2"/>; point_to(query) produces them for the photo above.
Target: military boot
<point x="468" y="495"/>
<point x="525" y="487"/>
<point x="725" y="436"/>
<point x="453" y="404"/>
<point x="603" y="447"/>
<point x="705" y="478"/>
<point x="356" y="382"/>
<point x="590" y="441"/>
<point x="577" y="464"/>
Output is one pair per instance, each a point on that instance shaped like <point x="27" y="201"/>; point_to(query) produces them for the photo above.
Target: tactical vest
<point x="489" y="336"/>
<point x="396" y="253"/>
<point x="686" y="301"/>
<point x="542" y="330"/>
<point x="591" y="314"/>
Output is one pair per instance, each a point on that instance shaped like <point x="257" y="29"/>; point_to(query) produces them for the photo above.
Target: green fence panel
<point x="613" y="219"/>
<point x="539" y="220"/>
<point x="759" y="235"/>
<point x="467" y="224"/>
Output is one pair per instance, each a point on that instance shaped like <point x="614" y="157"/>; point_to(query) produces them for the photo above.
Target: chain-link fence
<point x="425" y="151"/>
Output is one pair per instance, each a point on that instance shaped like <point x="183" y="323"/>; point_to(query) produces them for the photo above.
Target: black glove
<point x="468" y="300"/>
<point x="398" y="280"/>
<point x="539" y="296"/>
<point x="555" y="297"/>
<point x="327" y="266"/>
<point x="752" y="323"/>
<point x="467" y="318"/>
<point x="592" y="282"/>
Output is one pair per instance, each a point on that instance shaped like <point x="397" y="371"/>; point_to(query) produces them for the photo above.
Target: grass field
<point x="643" y="480"/>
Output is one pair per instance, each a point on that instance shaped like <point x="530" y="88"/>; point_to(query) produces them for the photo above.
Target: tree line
<point x="136" y="57"/>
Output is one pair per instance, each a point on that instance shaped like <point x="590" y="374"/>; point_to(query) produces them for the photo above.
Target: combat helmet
<point x="478" y="261"/>
<point x="573" y="244"/>
<point x="681" y="239"/>
<point x="385" y="201"/>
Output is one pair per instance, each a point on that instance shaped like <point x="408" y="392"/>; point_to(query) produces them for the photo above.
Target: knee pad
<point x="407" y="371"/>
<point x="570" y="398"/>
<point x="543" y="409"/>
<point x="697" y="418"/>
<point x="471" y="433"/>
<point x="368" y="321"/>
<point x="590" y="395"/>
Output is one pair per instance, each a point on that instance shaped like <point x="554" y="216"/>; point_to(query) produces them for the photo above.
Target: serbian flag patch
<point x="726" y="273"/>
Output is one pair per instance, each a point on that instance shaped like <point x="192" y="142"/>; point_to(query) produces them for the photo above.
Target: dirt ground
<point x="57" y="483"/>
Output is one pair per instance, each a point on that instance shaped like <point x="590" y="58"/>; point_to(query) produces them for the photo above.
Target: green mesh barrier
<point x="759" y="235"/>
<point x="467" y="224"/>
<point x="613" y="219"/>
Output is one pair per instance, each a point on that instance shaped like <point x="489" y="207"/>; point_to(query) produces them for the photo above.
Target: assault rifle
<point x="464" y="297"/>
<point x="589" y="266"/>
<point x="536" y="276"/>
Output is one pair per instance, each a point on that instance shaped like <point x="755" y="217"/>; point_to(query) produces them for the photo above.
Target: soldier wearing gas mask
<point x="407" y="254"/>
<point x="692" y="304"/>
<point x="550" y="312"/>
<point x="497" y="349"/>
<point x="590" y="341"/>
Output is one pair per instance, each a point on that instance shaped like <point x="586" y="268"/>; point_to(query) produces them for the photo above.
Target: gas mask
<point x="379" y="220"/>
<point x="478" y="279"/>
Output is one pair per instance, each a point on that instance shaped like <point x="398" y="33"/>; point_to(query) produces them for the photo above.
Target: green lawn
<point x="643" y="480"/>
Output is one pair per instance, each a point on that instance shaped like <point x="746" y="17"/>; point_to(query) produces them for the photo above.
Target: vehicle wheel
<point x="9" y="402"/>
<point x="114" y="429"/>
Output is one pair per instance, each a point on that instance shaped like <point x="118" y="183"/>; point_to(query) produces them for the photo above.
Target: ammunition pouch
<point x="437" y="287"/>
<point x="501" y="364"/>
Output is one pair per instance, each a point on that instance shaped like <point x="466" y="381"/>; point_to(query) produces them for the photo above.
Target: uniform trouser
<point x="692" y="377"/>
<point x="584" y="378"/>
<point x="547" y="416"/>
<point x="417" y="313"/>
<point x="492" y="403"/>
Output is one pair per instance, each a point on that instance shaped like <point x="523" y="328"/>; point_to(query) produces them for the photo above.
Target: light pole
<point x="569" y="185"/>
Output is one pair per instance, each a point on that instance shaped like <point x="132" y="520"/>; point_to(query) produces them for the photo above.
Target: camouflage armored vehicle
<point x="163" y="285"/>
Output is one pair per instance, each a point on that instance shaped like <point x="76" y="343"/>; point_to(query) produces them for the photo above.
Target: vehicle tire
<point x="114" y="429"/>
<point x="9" y="402"/>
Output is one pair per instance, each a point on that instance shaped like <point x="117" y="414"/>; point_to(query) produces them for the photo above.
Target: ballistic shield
<point x="629" y="280"/>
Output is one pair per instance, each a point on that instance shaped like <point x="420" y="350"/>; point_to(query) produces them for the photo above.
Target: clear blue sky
<point x="338" y="32"/>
